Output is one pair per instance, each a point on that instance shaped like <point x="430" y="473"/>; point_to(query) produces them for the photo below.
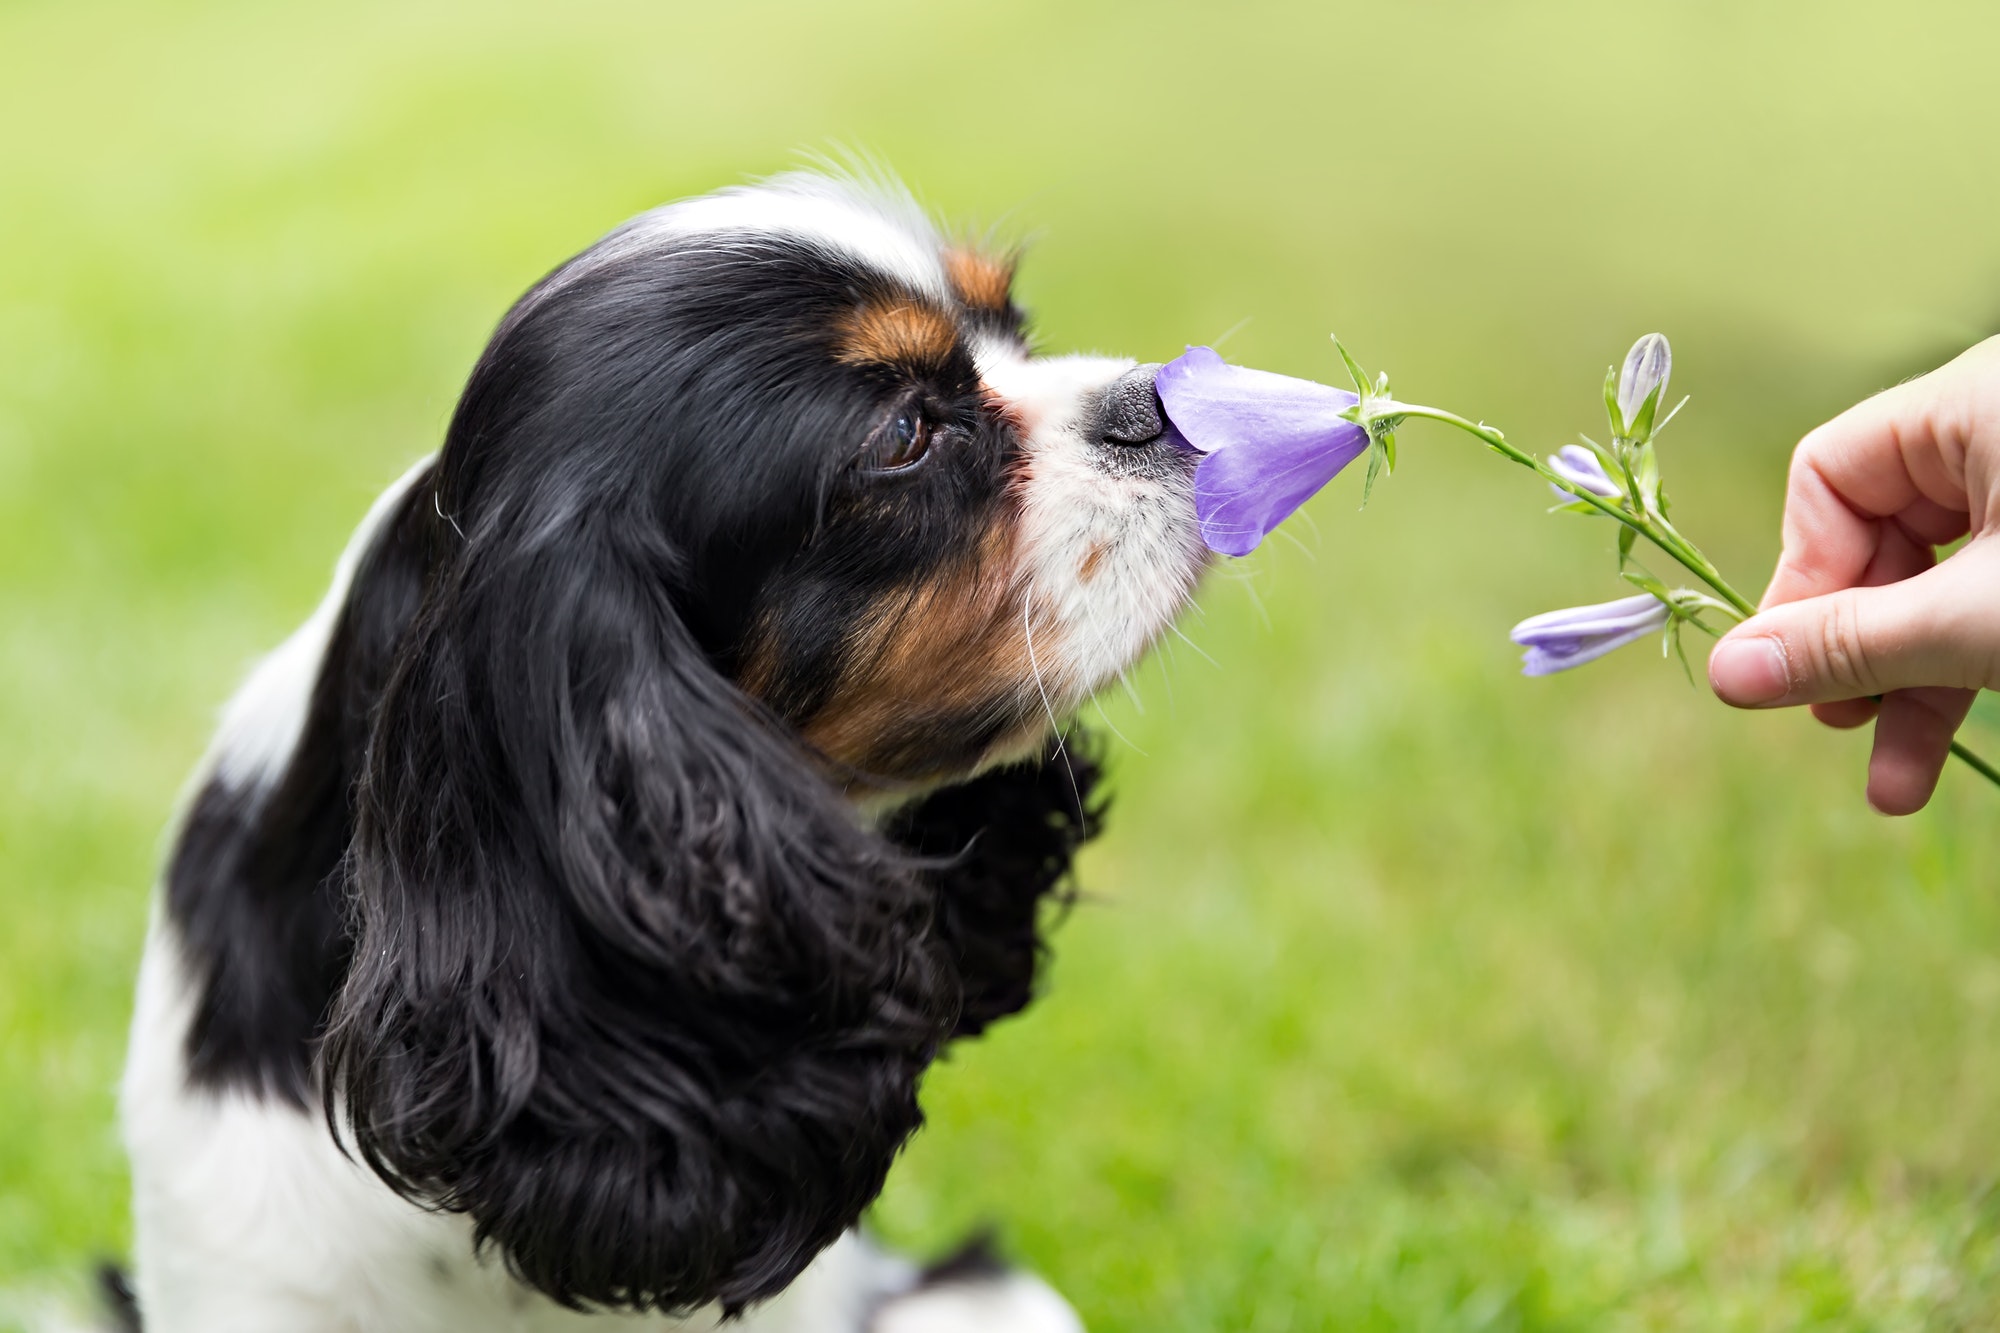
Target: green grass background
<point x="1410" y="994"/>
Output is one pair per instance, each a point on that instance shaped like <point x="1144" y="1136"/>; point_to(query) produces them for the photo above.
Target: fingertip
<point x="1912" y="742"/>
<point x="1900" y="794"/>
<point x="1749" y="671"/>
<point x="1902" y="773"/>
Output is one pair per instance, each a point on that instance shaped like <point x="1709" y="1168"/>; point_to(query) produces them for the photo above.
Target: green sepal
<point x="1680" y="648"/>
<point x="1641" y="426"/>
<point x="1611" y="404"/>
<point x="1375" y="457"/>
<point x="1626" y="538"/>
<point x="1672" y="412"/>
<point x="1605" y="457"/>
<point x="1353" y="367"/>
<point x="1702" y="625"/>
<point x="1646" y="582"/>
<point x="1647" y="475"/>
<point x="1579" y="507"/>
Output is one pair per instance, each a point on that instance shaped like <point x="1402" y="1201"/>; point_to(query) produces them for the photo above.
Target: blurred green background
<point x="1409" y="993"/>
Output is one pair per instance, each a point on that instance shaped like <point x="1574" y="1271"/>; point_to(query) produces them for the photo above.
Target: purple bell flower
<point x="1582" y="468"/>
<point x="1269" y="443"/>
<point x="1559" y="640"/>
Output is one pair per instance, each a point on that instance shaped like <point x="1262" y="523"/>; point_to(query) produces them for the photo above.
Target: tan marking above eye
<point x="901" y="334"/>
<point x="981" y="281"/>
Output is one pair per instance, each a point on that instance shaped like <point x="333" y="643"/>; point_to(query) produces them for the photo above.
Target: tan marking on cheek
<point x="951" y="647"/>
<point x="912" y="337"/>
<point x="1093" y="559"/>
<point x="981" y="281"/>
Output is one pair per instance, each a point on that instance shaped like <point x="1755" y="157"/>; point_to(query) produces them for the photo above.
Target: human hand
<point x="1860" y="607"/>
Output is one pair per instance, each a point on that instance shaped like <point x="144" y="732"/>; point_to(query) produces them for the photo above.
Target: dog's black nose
<point x="1131" y="412"/>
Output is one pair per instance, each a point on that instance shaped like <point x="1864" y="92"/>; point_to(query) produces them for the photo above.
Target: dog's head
<point x="757" y="515"/>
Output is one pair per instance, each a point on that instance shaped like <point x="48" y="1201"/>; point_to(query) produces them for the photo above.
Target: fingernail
<point x="1749" y="672"/>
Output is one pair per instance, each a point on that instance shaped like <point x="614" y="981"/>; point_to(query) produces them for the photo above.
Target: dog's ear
<point x="1001" y="847"/>
<point x="632" y="986"/>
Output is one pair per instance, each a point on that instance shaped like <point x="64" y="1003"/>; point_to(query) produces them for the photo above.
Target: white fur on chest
<point x="249" y="1219"/>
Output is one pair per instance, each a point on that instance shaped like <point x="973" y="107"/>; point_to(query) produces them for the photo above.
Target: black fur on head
<point x="632" y="983"/>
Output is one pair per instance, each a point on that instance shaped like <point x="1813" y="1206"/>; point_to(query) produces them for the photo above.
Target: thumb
<point x="1941" y="627"/>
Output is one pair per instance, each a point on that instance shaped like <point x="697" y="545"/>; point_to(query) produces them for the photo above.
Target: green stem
<point x="1501" y="445"/>
<point x="1978" y="765"/>
<point x="1654" y="529"/>
<point x="1690" y="556"/>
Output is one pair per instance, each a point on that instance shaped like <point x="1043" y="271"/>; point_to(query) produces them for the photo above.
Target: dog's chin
<point x="877" y="797"/>
<point x="1031" y="740"/>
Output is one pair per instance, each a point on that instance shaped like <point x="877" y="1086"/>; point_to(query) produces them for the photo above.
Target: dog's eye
<point x="897" y="445"/>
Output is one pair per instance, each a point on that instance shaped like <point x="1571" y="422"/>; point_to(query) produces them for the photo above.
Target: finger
<point x="1846" y="714"/>
<point x="1940" y="628"/>
<point x="1903" y="551"/>
<point x="1827" y="542"/>
<point x="1903" y="450"/>
<point x="1912" y="743"/>
<point x="1931" y="523"/>
<point x="1898" y="556"/>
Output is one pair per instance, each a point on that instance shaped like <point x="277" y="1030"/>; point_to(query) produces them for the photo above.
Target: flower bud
<point x="1580" y="467"/>
<point x="1647" y="367"/>
<point x="1559" y="640"/>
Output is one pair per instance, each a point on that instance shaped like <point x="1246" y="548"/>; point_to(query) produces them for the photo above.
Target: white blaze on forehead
<point x="1046" y="395"/>
<point x="877" y="225"/>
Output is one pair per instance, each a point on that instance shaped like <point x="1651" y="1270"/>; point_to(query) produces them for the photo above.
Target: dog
<point x="558" y="929"/>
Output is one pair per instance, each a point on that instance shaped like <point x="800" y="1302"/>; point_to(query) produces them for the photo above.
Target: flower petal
<point x="1580" y="467"/>
<point x="1539" y="661"/>
<point x="1271" y="442"/>
<point x="1600" y="616"/>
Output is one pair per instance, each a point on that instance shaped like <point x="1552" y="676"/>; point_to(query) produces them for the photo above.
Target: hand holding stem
<point x="1872" y="495"/>
<point x="1862" y="620"/>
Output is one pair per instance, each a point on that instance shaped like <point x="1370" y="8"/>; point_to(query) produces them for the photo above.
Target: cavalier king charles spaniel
<point x="560" y="926"/>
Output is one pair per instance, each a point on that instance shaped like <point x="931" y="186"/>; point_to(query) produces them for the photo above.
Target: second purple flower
<point x="1558" y="640"/>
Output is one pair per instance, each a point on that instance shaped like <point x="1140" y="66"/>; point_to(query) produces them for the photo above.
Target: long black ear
<point x="632" y="987"/>
<point x="1001" y="846"/>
